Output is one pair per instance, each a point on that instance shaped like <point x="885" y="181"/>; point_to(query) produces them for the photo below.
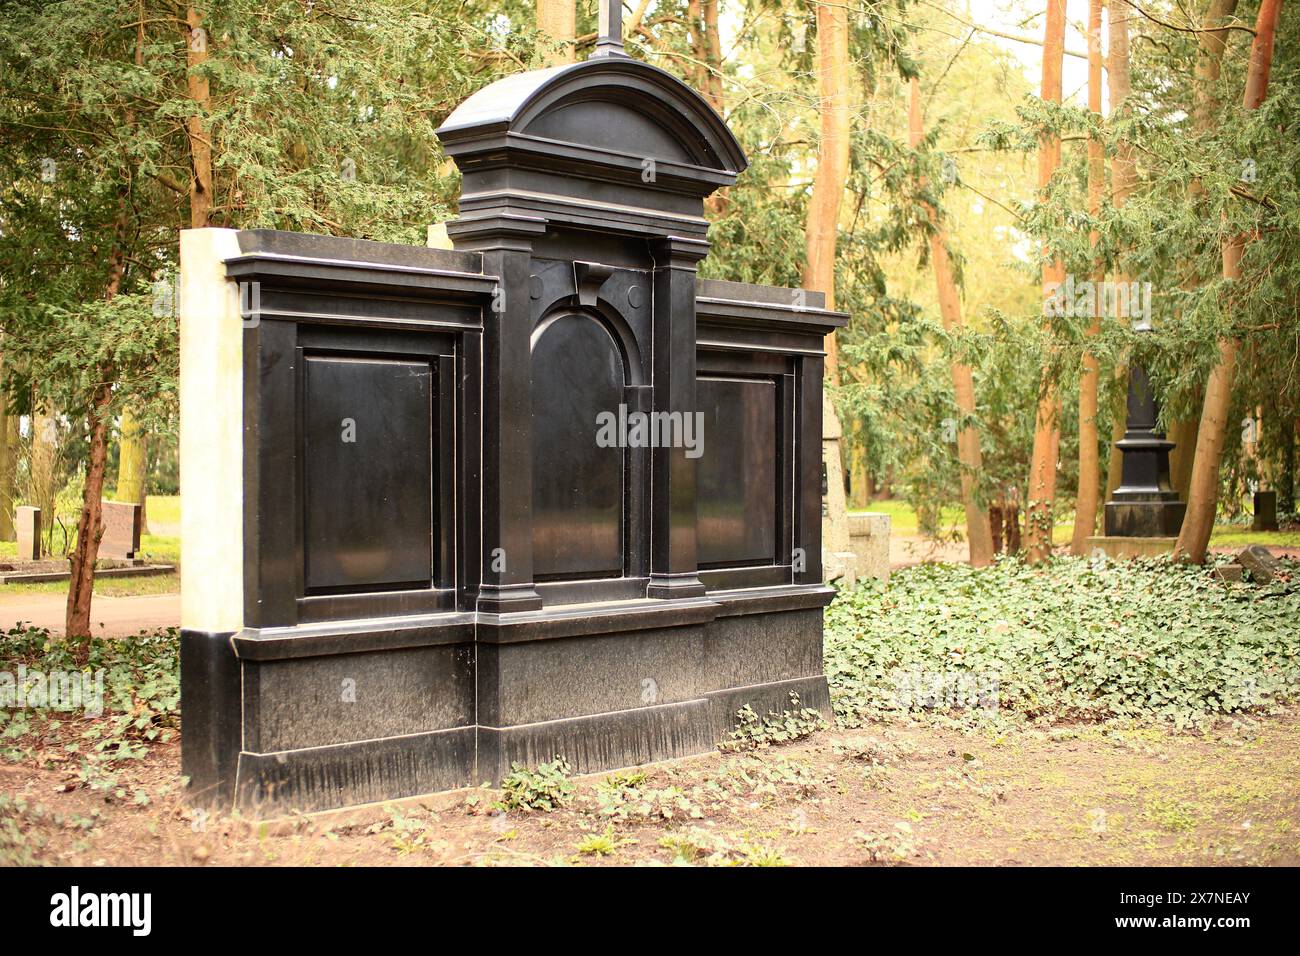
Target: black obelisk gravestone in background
<point x="1145" y="505"/>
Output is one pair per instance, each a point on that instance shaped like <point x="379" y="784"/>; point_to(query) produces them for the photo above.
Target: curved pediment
<point x="614" y="107"/>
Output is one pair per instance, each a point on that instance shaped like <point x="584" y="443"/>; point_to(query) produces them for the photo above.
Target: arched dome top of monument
<point x="613" y="106"/>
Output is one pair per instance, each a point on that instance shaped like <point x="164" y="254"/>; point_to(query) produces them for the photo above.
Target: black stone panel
<point x="578" y="487"/>
<point x="612" y="125"/>
<point x="761" y="648"/>
<point x="368" y="427"/>
<point x="737" y="494"/>
<point x="319" y="701"/>
<point x="564" y="677"/>
<point x="1265" y="503"/>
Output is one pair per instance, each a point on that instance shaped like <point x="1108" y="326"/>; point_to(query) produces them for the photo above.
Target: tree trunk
<point x="821" y="232"/>
<point x="196" y="52"/>
<point x="42" y="464"/>
<point x="1211" y="438"/>
<point x="978" y="533"/>
<point x="696" y="74"/>
<point x="710" y="74"/>
<point x="1210" y="44"/>
<point x="634" y="21"/>
<point x="132" y="465"/>
<point x="712" y="54"/>
<point x="1286" y="442"/>
<point x="1047" y="427"/>
<point x="8" y="469"/>
<point x="557" y="21"/>
<point x="832" y="162"/>
<point x="1085" y="501"/>
<point x="90" y="526"/>
<point x="1209" y="64"/>
<point x="1183" y="434"/>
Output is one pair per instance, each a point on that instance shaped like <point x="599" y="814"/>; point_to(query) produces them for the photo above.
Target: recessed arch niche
<point x="578" y="372"/>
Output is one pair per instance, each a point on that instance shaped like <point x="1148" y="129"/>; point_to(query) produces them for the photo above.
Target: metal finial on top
<point x="609" y="40"/>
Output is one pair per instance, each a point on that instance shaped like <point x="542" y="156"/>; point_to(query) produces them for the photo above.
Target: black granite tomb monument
<point x="547" y="492"/>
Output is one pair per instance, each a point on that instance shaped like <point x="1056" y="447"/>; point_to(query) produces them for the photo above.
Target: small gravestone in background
<point x="1229" y="573"/>
<point x="119" y="546"/>
<point x="1256" y="560"/>
<point x="1261" y="564"/>
<point x="121" y="538"/>
<point x="29" y="533"/>
<point x="869" y="537"/>
<point x="1265" y="511"/>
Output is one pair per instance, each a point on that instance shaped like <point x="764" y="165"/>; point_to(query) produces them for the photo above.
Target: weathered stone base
<point x="317" y="728"/>
<point x="366" y="771"/>
<point x="1144" y="516"/>
<point x="1117" y="548"/>
<point x="630" y="738"/>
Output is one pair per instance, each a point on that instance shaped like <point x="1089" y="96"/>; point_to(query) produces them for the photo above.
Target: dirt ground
<point x="888" y="794"/>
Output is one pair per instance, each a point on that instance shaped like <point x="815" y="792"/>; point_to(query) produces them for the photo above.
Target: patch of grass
<point x="1172" y="815"/>
<point x="903" y="519"/>
<point x="696" y="845"/>
<point x="759" y="854"/>
<point x="411" y="831"/>
<point x="26" y="829"/>
<point x="1234" y="536"/>
<point x="163" y="549"/>
<point x="603" y="844"/>
<point x="105" y="587"/>
<point x="690" y="844"/>
<point x="1148" y="640"/>
<point x="164" y="509"/>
